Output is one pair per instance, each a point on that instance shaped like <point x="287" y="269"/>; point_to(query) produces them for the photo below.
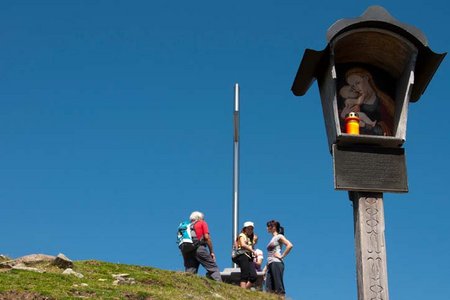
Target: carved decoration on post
<point x="370" y="245"/>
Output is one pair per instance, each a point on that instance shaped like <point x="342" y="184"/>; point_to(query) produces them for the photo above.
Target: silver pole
<point x="236" y="165"/>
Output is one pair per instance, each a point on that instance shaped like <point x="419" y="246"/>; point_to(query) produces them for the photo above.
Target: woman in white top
<point x="275" y="263"/>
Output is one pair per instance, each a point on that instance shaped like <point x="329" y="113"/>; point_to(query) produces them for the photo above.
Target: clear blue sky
<point x="116" y="123"/>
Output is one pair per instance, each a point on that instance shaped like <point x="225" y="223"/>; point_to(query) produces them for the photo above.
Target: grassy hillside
<point x="98" y="282"/>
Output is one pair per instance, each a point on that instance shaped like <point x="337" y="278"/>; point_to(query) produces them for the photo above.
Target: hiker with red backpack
<point x="193" y="241"/>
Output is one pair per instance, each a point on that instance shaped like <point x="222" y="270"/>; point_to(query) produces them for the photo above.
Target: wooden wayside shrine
<point x="372" y="68"/>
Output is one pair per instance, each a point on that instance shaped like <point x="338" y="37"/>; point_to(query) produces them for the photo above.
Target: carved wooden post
<point x="370" y="246"/>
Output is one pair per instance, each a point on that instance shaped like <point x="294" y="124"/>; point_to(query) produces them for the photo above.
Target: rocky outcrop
<point x="27" y="261"/>
<point x="62" y="261"/>
<point x="123" y="279"/>
<point x="4" y="257"/>
<point x="23" y="267"/>
<point x="35" y="258"/>
<point x="35" y="262"/>
<point x="69" y="271"/>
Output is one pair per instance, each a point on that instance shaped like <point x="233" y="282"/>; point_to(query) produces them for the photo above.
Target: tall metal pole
<point x="236" y="164"/>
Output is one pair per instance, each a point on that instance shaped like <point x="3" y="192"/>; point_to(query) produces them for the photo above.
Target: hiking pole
<point x="236" y="166"/>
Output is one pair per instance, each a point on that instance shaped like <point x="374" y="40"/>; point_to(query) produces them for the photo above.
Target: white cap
<point x="248" y="224"/>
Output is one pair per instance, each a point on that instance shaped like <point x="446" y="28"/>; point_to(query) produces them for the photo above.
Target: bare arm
<point x="351" y="105"/>
<point x="360" y="99"/>
<point x="207" y="239"/>
<point x="255" y="239"/>
<point x="288" y="245"/>
<point x="259" y="261"/>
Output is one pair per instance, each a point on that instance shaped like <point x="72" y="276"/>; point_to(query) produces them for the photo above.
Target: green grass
<point x="151" y="284"/>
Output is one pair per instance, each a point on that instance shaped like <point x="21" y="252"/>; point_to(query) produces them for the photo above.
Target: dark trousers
<point x="248" y="271"/>
<point x="202" y="256"/>
<point x="274" y="278"/>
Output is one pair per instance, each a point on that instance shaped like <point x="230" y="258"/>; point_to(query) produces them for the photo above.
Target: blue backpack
<point x="187" y="238"/>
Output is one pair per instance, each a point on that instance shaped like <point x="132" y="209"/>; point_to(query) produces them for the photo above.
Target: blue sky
<point x="116" y="123"/>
